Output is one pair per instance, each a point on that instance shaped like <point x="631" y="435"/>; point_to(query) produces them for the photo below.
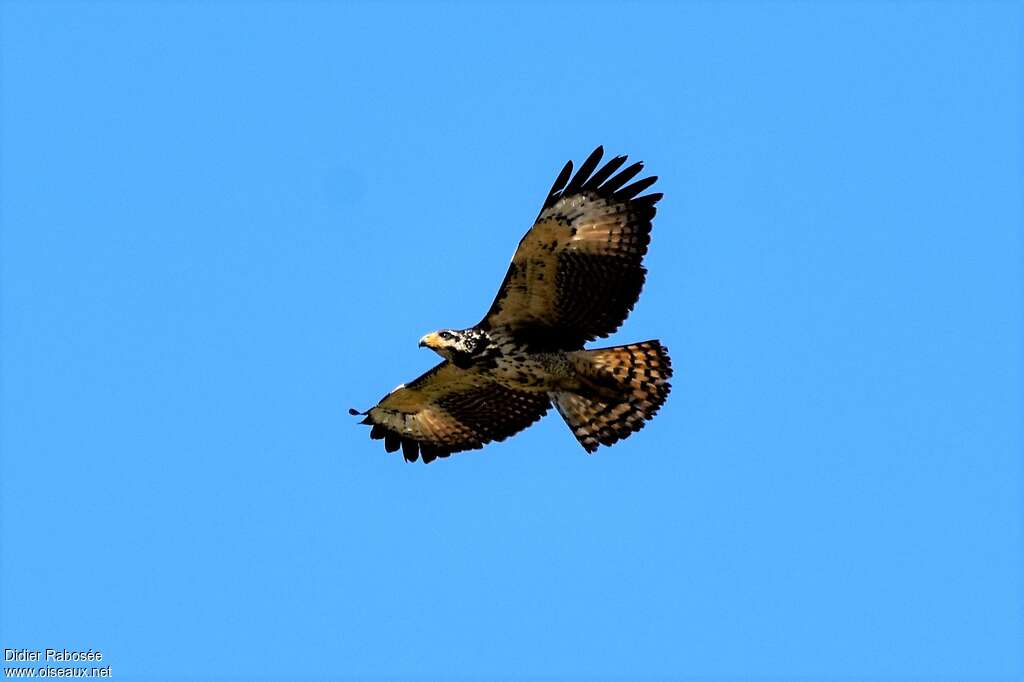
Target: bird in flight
<point x="574" y="277"/>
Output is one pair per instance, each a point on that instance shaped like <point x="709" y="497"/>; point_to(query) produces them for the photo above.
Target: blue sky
<point x="224" y="224"/>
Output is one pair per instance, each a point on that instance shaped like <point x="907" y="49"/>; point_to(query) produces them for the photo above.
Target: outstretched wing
<point x="578" y="271"/>
<point x="449" y="409"/>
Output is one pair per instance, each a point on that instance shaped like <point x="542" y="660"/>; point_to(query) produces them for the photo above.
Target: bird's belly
<point x="533" y="372"/>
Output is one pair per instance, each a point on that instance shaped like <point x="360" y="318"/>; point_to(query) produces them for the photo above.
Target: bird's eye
<point x="445" y="335"/>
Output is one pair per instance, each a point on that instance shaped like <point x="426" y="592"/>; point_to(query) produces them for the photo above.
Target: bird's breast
<point x="531" y="371"/>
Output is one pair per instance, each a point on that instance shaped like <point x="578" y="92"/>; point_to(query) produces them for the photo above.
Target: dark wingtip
<point x="563" y="177"/>
<point x="353" y="411"/>
<point x="612" y="186"/>
<point x="630" y="191"/>
<point x="584" y="171"/>
<point x="559" y="184"/>
<point x="410" y="450"/>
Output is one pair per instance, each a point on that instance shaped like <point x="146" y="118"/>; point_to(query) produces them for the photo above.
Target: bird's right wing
<point x="449" y="409"/>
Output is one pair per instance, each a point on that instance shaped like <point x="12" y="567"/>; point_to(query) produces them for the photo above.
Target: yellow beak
<point x="431" y="340"/>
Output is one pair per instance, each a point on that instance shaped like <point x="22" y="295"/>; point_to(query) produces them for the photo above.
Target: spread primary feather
<point x="575" y="276"/>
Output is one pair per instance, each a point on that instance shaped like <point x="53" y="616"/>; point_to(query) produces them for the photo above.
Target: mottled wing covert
<point x="578" y="271"/>
<point x="449" y="409"/>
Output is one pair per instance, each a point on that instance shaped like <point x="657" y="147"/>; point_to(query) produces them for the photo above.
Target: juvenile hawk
<point x="574" y="277"/>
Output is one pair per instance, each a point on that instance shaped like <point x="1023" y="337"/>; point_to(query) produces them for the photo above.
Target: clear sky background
<point x="223" y="225"/>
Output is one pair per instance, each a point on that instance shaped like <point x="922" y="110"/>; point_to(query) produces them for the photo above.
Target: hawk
<point x="574" y="277"/>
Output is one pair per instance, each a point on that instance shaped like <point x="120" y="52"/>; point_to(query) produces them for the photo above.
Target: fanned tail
<point x="624" y="386"/>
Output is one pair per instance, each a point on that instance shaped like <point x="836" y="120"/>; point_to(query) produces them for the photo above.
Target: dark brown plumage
<point x="575" y="276"/>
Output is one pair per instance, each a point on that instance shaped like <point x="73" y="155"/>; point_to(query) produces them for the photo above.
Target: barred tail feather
<point x="623" y="387"/>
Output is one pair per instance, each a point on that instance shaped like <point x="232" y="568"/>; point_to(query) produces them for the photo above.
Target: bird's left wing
<point x="449" y="409"/>
<point x="578" y="271"/>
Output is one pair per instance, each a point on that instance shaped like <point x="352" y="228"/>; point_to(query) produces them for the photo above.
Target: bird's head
<point x="458" y="345"/>
<point x="446" y="342"/>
